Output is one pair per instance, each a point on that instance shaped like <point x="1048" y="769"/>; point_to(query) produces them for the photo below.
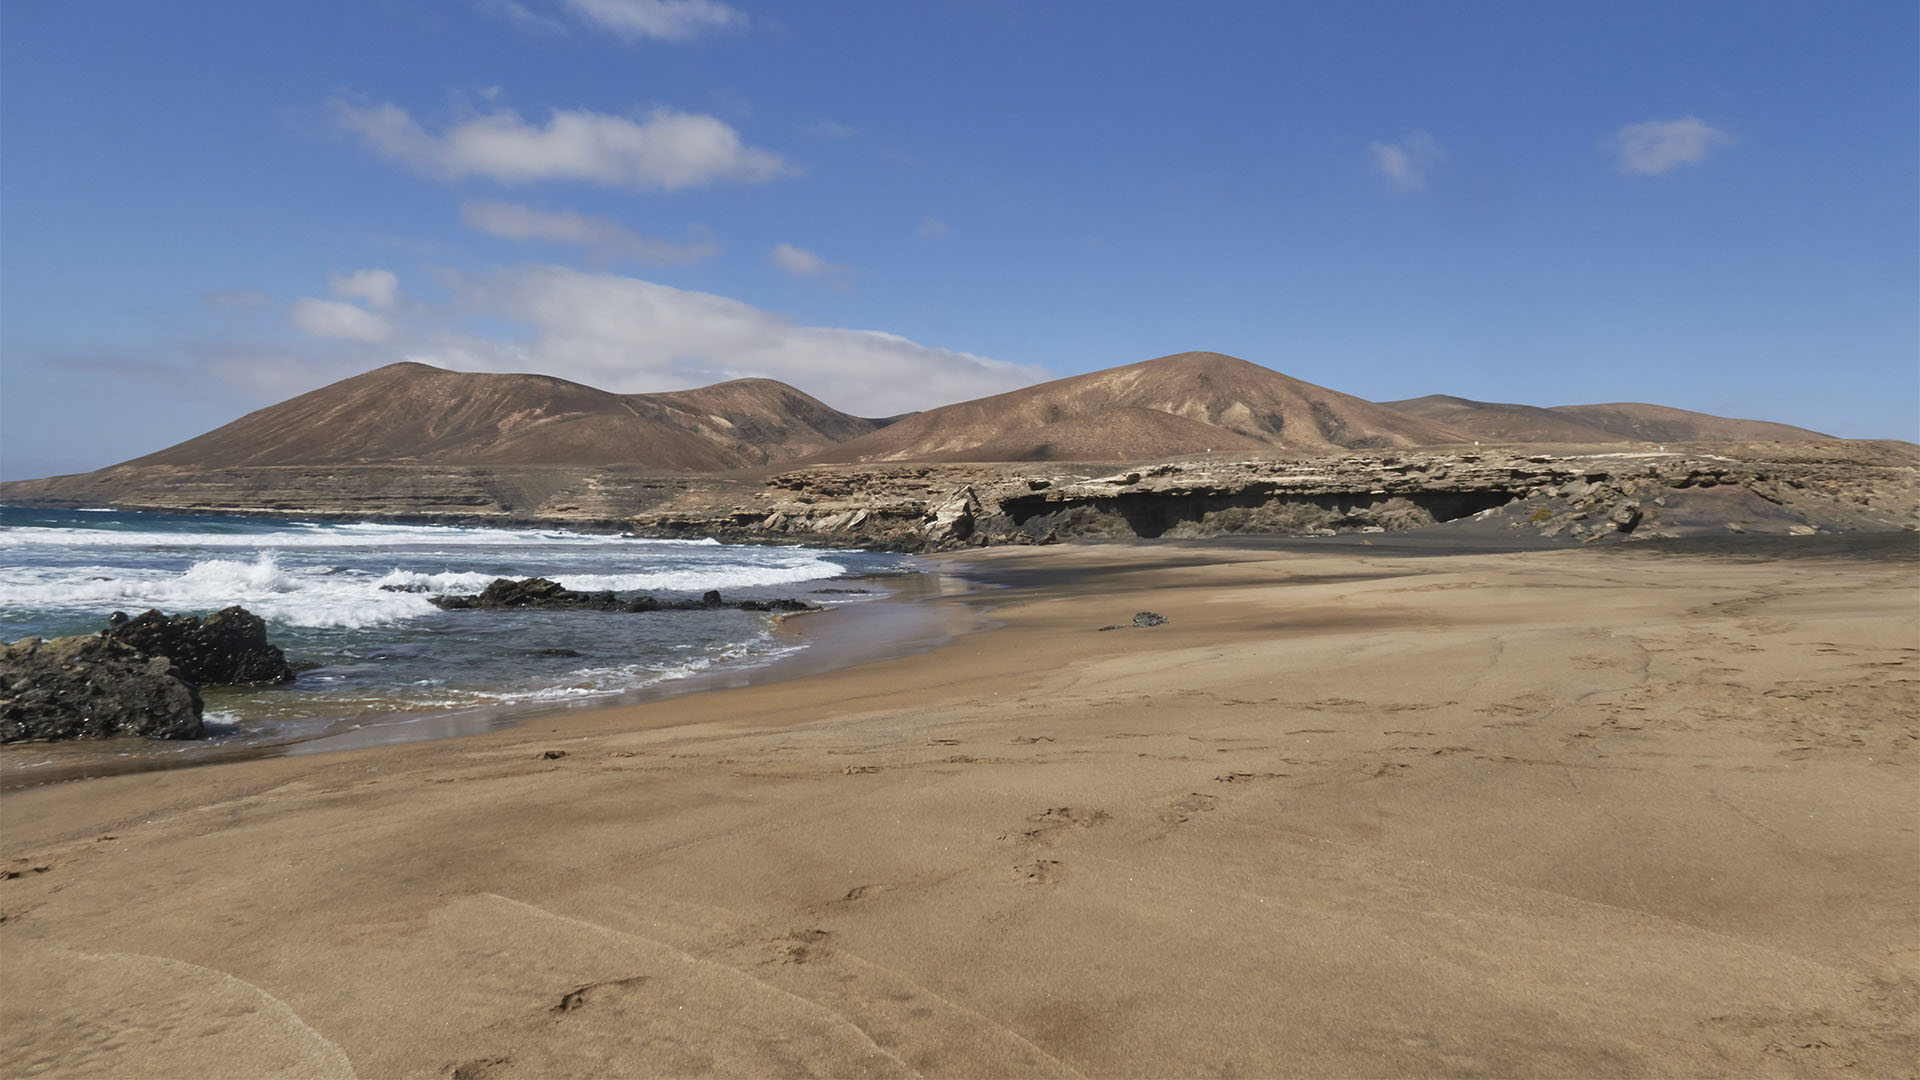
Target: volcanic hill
<point x="1187" y="403"/>
<point x="417" y="414"/>
<point x="1621" y="422"/>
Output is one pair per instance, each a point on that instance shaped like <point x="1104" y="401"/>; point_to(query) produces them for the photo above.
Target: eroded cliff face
<point x="1601" y="495"/>
<point x="1590" y="497"/>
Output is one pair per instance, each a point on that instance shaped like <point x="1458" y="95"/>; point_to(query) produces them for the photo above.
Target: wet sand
<point x="1568" y="812"/>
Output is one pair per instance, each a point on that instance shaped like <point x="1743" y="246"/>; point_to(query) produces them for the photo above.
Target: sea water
<point x="342" y="600"/>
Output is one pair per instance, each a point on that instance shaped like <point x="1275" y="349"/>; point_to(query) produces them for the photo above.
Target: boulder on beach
<point x="71" y="687"/>
<point x="227" y="648"/>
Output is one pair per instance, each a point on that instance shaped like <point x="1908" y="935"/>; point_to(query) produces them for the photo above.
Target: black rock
<point x="227" y="648"/>
<point x="542" y="593"/>
<point x="1148" y="618"/>
<point x="92" y="686"/>
<point x="775" y="605"/>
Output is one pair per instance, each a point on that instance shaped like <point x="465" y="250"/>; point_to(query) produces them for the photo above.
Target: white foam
<point x="262" y="586"/>
<point x="702" y="578"/>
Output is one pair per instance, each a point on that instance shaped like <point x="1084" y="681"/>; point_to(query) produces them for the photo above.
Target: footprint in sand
<point x="1052" y="820"/>
<point x="480" y="1068"/>
<point x="1037" y="872"/>
<point x="580" y="995"/>
<point x="801" y="947"/>
<point x="1182" y="807"/>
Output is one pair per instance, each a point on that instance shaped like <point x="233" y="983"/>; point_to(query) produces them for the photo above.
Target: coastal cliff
<point x="1570" y="493"/>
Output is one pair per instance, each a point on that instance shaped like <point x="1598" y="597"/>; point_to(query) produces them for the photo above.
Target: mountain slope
<point x="1658" y="423"/>
<point x="1203" y="401"/>
<point x="414" y="413"/>
<point x="1499" y="422"/>
<point x="1623" y="422"/>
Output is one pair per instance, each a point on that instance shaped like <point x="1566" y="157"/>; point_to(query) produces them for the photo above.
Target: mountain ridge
<point x="413" y="413"/>
<point x="1251" y="406"/>
<point x="1627" y="421"/>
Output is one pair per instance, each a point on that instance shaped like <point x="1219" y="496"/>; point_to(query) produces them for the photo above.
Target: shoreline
<point x="1566" y="812"/>
<point x="917" y="617"/>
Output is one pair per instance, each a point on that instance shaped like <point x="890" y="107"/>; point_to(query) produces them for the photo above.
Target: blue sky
<point x="207" y="207"/>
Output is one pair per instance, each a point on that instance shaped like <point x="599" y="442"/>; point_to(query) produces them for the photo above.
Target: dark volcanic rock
<point x="1149" y="618"/>
<point x="542" y="593"/>
<point x="77" y="686"/>
<point x="227" y="648"/>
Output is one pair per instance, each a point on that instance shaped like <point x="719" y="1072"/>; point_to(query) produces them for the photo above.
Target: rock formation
<point x="71" y="687"/>
<point x="227" y="648"/>
<point x="543" y="593"/>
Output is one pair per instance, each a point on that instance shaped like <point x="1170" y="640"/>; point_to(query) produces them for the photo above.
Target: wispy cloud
<point x="666" y="151"/>
<point x="804" y="264"/>
<point x="931" y="229"/>
<point x="623" y="334"/>
<point x="661" y="20"/>
<point x="1654" y="147"/>
<point x="604" y="238"/>
<point x="1406" y="163"/>
<point x="335" y="319"/>
<point x="237" y="299"/>
<point x="521" y="15"/>
<point x="379" y="288"/>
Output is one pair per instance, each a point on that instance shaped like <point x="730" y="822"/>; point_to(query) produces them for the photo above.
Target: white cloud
<point x="629" y="335"/>
<point x="520" y="14"/>
<point x="666" y="151"/>
<point x="608" y="239"/>
<point x="666" y="20"/>
<point x="802" y="263"/>
<point x="334" y="319"/>
<point x="1406" y="163"/>
<point x="931" y="229"/>
<point x="237" y="299"/>
<point x="379" y="288"/>
<point x="1656" y="146"/>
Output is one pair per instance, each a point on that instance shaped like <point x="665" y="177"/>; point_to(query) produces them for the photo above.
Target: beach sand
<point x="1349" y="813"/>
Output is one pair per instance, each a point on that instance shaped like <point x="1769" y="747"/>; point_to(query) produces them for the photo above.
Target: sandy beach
<point x="1349" y="813"/>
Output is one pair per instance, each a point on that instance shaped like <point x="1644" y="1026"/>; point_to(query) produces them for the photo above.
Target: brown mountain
<point x="1623" y="422"/>
<point x="1181" y="404"/>
<point x="1498" y="422"/>
<point x="414" y="413"/>
<point x="1658" y="423"/>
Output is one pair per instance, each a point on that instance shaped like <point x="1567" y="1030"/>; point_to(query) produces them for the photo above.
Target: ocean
<point x="370" y="653"/>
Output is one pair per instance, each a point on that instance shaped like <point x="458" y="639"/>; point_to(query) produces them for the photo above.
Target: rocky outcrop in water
<point x="227" y="648"/>
<point x="543" y="593"/>
<point x="71" y="687"/>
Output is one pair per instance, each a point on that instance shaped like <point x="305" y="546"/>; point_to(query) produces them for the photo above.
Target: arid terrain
<point x="1192" y="444"/>
<point x="1474" y="739"/>
<point x="1602" y="812"/>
